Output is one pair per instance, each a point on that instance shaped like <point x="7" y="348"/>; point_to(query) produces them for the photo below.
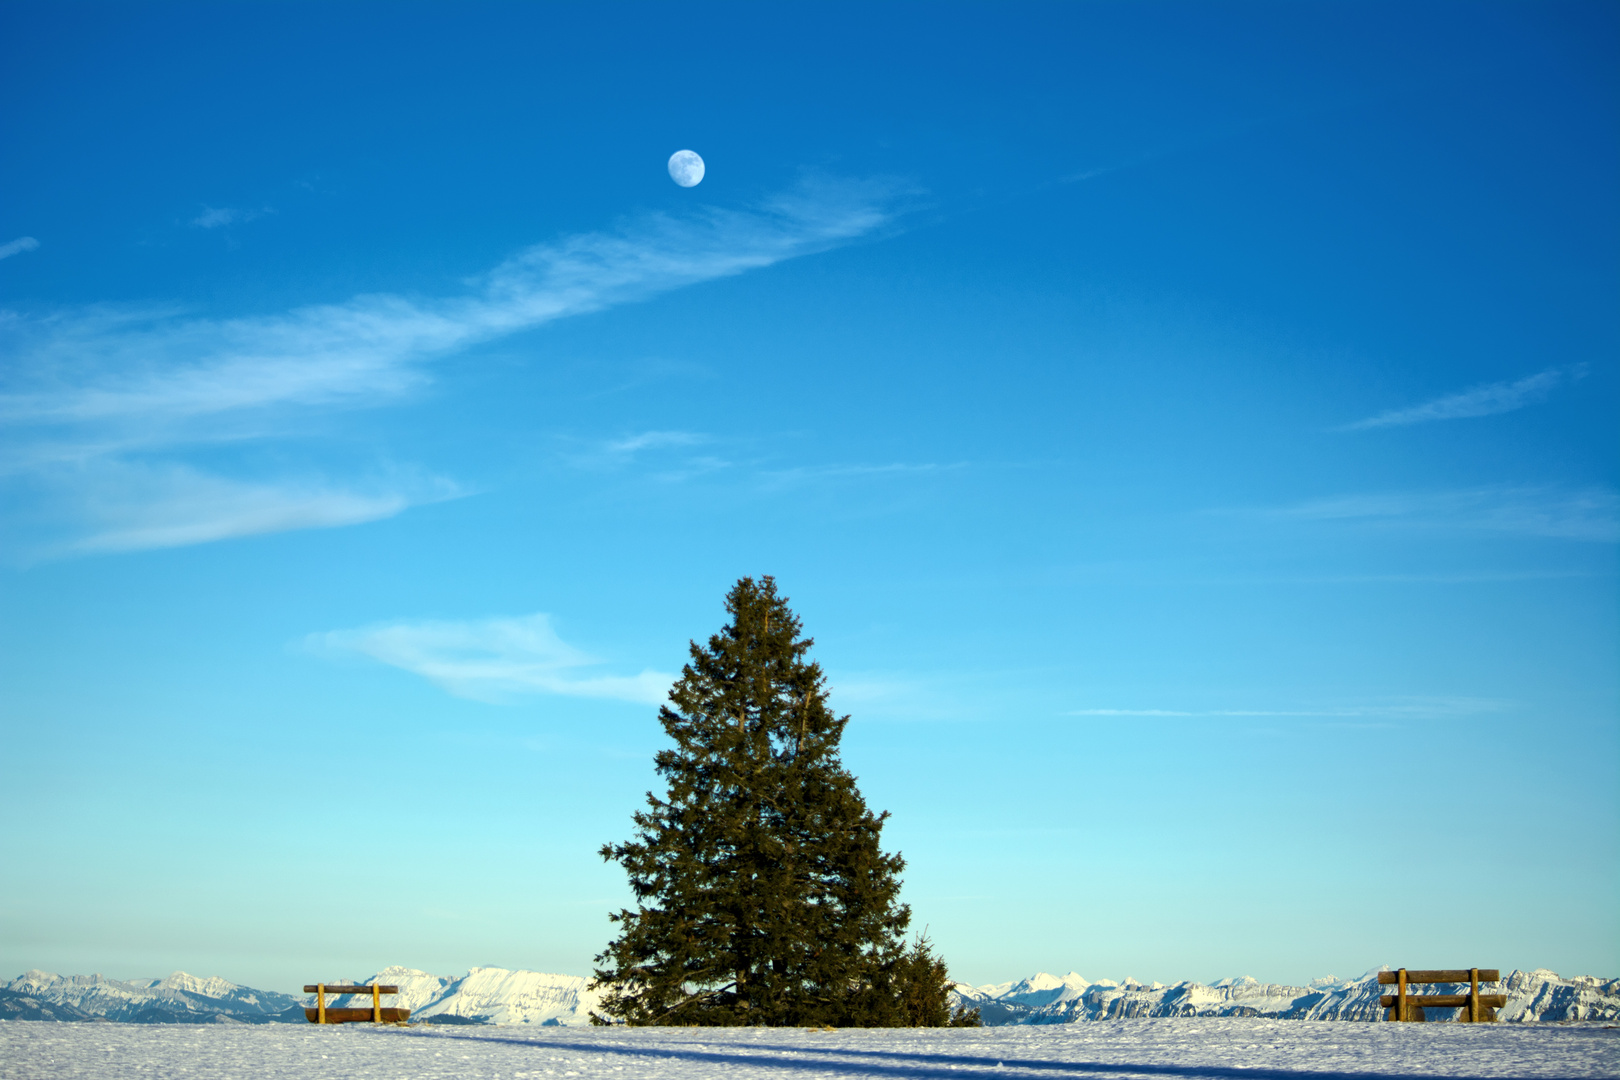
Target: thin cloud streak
<point x="493" y="660"/>
<point x="654" y="440"/>
<point x="213" y="508"/>
<point x="808" y="474"/>
<point x="1488" y="400"/>
<point x="622" y="453"/>
<point x="676" y="464"/>
<point x="1591" y="515"/>
<point x="1478" y="577"/>
<point x="108" y="365"/>
<point x="214" y="217"/>
<point x="17" y="246"/>
<point x="1438" y="708"/>
<point x="116" y="506"/>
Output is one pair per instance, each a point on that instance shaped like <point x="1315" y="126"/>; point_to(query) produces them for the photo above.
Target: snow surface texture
<point x="1187" y="1048"/>
<point x="490" y="995"/>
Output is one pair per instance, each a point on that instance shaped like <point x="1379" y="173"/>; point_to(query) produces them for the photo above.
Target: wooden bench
<point x="1477" y="1007"/>
<point x="377" y="1014"/>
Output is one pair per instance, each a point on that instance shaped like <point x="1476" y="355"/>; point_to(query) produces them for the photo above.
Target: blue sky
<point x="1188" y="432"/>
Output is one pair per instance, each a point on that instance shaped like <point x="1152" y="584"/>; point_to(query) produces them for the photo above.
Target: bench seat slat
<point x="1444" y="1001"/>
<point x="390" y="1015"/>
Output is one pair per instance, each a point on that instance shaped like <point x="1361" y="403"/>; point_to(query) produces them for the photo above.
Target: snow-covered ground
<point x="1185" y="1048"/>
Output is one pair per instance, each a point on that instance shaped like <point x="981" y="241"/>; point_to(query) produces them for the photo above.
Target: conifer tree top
<point x="754" y="676"/>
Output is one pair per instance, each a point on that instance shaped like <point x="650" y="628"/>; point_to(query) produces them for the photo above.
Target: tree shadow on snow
<point x="934" y="1066"/>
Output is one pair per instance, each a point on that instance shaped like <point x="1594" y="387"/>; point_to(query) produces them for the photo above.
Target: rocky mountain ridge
<point x="178" y="999"/>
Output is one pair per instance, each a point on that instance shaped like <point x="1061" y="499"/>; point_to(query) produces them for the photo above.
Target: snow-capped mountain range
<point x="178" y="999"/>
<point x="1048" y="999"/>
<point x="486" y="995"/>
<point x="491" y="995"/>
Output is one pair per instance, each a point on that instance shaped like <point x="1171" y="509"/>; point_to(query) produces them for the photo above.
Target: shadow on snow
<point x="931" y="1066"/>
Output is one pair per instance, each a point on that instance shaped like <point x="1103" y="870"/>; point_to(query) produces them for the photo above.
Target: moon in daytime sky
<point x="685" y="168"/>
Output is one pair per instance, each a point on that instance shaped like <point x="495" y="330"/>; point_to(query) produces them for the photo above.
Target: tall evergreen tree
<point x="763" y="896"/>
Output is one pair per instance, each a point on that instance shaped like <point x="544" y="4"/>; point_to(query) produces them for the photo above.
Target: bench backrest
<point x="348" y="988"/>
<point x="1476" y="1006"/>
<point x="1448" y="975"/>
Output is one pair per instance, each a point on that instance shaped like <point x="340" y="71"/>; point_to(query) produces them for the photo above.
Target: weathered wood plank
<point x="1457" y="975"/>
<point x="390" y="1015"/>
<point x="1440" y="1001"/>
<point x="350" y="988"/>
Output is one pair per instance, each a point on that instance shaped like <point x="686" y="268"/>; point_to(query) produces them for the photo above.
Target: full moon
<point x="685" y="168"/>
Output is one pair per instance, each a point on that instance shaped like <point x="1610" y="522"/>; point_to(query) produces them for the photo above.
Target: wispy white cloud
<point x="1410" y="709"/>
<point x="667" y="452"/>
<point x="653" y="440"/>
<point x="1487" y="400"/>
<point x="103" y="383"/>
<point x="809" y="474"/>
<point x="493" y="659"/>
<point x="107" y="364"/>
<point x="669" y="456"/>
<point x="1453" y="577"/>
<point x="128" y="506"/>
<point x="893" y="468"/>
<point x="212" y="217"/>
<point x="1591" y="514"/>
<point x="17" y="246"/>
<point x="909" y="696"/>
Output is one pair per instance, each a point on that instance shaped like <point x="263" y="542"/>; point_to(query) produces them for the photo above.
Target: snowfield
<point x="1186" y="1048"/>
